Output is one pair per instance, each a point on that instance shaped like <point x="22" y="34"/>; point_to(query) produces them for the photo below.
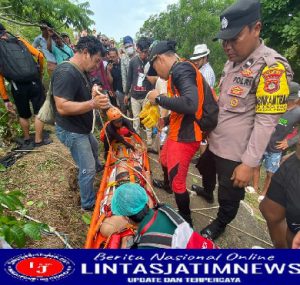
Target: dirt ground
<point x="46" y="176"/>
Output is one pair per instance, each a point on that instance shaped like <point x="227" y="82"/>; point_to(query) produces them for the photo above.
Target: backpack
<point x="16" y="62"/>
<point x="210" y="108"/>
<point x="184" y="236"/>
<point x="210" y="113"/>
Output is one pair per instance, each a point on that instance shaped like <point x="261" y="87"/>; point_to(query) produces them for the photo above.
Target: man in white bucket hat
<point x="200" y="59"/>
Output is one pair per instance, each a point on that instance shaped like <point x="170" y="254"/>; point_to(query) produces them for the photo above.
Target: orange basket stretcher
<point x="122" y="165"/>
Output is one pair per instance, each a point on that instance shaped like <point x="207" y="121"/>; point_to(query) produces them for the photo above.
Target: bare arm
<point x="71" y="108"/>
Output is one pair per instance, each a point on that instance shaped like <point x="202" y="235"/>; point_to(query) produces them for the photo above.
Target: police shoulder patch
<point x="273" y="90"/>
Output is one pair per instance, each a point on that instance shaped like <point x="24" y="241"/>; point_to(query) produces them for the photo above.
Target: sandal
<point x="43" y="142"/>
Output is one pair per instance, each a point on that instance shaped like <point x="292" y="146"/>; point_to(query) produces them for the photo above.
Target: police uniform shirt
<point x="250" y="105"/>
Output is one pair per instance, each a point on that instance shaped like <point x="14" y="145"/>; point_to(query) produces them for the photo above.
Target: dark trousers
<point x="229" y="197"/>
<point x="207" y="168"/>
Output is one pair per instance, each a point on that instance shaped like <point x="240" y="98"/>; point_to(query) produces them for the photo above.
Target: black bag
<point x="16" y="62"/>
<point x="210" y="108"/>
<point x="210" y="111"/>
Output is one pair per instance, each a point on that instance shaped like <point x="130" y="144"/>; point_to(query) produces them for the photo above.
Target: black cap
<point x="236" y="17"/>
<point x="159" y="48"/>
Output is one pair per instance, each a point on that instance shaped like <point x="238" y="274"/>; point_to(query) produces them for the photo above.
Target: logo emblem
<point x="234" y="102"/>
<point x="247" y="72"/>
<point x="39" y="267"/>
<point x="224" y="23"/>
<point x="272" y="80"/>
<point x="236" y="90"/>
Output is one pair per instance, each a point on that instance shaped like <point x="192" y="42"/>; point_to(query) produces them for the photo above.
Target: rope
<point x="237" y="229"/>
<point x="120" y="160"/>
<point x="198" y="176"/>
<point x="51" y="229"/>
<point x="122" y="114"/>
<point x="49" y="151"/>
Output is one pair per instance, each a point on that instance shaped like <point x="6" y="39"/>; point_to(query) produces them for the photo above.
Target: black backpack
<point x="210" y="112"/>
<point x="210" y="108"/>
<point x="16" y="62"/>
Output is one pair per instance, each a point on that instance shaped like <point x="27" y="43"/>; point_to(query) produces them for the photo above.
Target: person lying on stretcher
<point x="116" y="129"/>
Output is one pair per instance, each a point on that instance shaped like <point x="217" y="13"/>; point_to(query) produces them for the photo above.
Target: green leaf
<point x="8" y="201"/>
<point x="30" y="203"/>
<point x="86" y="218"/>
<point x="33" y="230"/>
<point x="2" y="168"/>
<point x="40" y="204"/>
<point x="17" y="235"/>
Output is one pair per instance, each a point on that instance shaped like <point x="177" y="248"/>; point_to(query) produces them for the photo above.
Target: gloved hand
<point x="150" y="115"/>
<point x="145" y="110"/>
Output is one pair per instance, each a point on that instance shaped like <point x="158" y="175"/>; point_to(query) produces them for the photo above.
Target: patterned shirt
<point x="208" y="74"/>
<point x="124" y="69"/>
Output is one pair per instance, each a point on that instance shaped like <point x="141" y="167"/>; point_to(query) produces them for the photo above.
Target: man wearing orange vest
<point x="186" y="89"/>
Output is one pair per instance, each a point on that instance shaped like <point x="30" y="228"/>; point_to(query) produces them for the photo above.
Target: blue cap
<point x="128" y="200"/>
<point x="127" y="40"/>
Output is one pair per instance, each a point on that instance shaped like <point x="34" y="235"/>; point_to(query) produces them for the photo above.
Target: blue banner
<point x="88" y="267"/>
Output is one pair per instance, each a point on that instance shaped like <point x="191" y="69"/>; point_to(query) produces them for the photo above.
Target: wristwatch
<point x="157" y="99"/>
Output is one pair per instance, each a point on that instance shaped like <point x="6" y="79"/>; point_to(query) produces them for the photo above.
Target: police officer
<point x="253" y="94"/>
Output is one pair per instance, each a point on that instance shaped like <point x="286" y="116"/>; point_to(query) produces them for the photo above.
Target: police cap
<point x="236" y="17"/>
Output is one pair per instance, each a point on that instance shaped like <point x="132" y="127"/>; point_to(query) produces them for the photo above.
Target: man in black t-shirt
<point x="75" y="100"/>
<point x="281" y="206"/>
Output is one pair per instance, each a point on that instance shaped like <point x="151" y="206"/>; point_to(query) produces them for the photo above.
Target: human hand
<point x="282" y="144"/>
<point x="161" y="123"/>
<point x="10" y="107"/>
<point x="126" y="99"/>
<point x="296" y="241"/>
<point x="111" y="94"/>
<point x="109" y="67"/>
<point x="242" y="175"/>
<point x="152" y="95"/>
<point x="100" y="100"/>
<point x="95" y="90"/>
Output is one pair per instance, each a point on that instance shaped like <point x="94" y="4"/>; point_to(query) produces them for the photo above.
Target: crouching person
<point x="160" y="227"/>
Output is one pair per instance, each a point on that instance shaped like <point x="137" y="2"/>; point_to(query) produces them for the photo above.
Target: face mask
<point x="129" y="51"/>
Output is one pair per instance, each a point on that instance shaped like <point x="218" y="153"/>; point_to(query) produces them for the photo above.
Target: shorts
<point x="284" y="189"/>
<point x="26" y="92"/>
<point x="271" y="161"/>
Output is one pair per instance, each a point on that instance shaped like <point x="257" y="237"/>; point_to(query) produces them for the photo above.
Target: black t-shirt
<point x="285" y="190"/>
<point x="68" y="83"/>
<point x="117" y="77"/>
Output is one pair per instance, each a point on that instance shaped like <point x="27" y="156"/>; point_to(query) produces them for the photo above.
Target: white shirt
<point x="208" y="74"/>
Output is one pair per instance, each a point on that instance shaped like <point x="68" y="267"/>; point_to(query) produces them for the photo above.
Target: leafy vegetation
<point x="61" y="13"/>
<point x="281" y="30"/>
<point x="192" y="22"/>
<point x="16" y="231"/>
